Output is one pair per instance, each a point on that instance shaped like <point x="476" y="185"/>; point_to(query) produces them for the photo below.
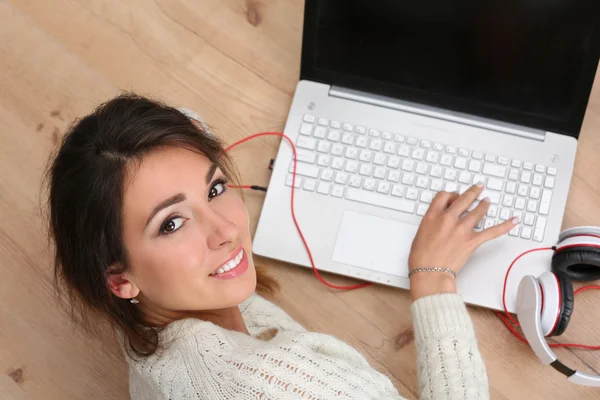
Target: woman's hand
<point x="446" y="239"/>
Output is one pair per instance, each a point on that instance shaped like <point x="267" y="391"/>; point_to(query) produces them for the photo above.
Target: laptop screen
<point x="529" y="62"/>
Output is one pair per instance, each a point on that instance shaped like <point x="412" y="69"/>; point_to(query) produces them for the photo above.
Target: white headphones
<point x="545" y="303"/>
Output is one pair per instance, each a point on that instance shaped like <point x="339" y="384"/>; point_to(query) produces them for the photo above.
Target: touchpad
<point x="374" y="243"/>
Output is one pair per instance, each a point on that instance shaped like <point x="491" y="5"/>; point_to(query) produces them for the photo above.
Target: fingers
<point x="495" y="231"/>
<point x="441" y="201"/>
<point x="472" y="218"/>
<point x="466" y="199"/>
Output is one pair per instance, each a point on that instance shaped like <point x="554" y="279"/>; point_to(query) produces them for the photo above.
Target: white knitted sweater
<point x="204" y="361"/>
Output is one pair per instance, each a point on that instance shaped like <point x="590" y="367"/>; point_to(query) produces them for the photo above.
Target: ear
<point x="121" y="285"/>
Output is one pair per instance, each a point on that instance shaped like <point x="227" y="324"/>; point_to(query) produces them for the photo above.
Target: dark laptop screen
<point x="530" y="62"/>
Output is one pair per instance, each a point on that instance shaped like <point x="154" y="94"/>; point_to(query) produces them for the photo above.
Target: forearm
<point x="449" y="365"/>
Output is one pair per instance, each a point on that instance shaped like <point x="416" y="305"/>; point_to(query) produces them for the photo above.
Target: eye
<point x="171" y="225"/>
<point x="217" y="189"/>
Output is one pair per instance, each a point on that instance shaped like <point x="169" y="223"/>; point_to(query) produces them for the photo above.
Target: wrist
<point x="429" y="283"/>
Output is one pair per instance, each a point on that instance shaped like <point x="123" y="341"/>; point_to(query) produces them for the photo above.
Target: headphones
<point x="545" y="303"/>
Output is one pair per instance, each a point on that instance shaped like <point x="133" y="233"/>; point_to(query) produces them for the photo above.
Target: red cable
<point x="507" y="317"/>
<point x="312" y="261"/>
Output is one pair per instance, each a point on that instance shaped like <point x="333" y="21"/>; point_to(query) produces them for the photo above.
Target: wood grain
<point x="237" y="63"/>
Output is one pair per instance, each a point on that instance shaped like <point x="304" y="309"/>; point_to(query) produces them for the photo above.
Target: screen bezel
<point x="572" y="127"/>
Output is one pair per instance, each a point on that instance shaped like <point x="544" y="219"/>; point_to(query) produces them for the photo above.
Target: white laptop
<point x="399" y="100"/>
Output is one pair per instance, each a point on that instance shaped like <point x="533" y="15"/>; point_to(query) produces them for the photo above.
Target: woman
<point x="149" y="236"/>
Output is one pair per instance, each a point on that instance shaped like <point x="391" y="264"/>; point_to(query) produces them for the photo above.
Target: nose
<point x="222" y="230"/>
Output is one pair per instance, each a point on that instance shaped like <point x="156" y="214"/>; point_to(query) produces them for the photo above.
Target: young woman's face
<point x="186" y="234"/>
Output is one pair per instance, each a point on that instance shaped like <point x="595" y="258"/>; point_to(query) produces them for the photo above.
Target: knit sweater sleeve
<point x="449" y="365"/>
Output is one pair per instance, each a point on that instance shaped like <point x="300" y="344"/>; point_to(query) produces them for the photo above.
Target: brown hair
<point x="85" y="182"/>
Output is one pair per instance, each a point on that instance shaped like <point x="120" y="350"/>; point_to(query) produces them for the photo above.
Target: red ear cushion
<point x="567" y="304"/>
<point x="579" y="263"/>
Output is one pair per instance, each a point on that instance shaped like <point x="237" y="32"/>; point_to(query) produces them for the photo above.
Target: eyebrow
<point x="179" y="197"/>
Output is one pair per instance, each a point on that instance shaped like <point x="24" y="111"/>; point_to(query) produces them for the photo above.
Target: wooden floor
<point x="237" y="63"/>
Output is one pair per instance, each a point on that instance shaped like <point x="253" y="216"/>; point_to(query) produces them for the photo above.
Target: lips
<point x="235" y="266"/>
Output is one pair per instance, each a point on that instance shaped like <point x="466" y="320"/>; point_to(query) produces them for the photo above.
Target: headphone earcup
<point x="579" y="263"/>
<point x="567" y="304"/>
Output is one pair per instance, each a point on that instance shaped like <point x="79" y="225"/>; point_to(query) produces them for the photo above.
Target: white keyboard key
<point x="422" y="168"/>
<point x="362" y="141"/>
<point x="488" y="223"/>
<point x="355" y="181"/>
<point x="451" y="187"/>
<point x="513" y="174"/>
<point x="309" y="184"/>
<point x="436" y="171"/>
<point x="393" y="203"/>
<point x="365" y="155"/>
<point x="309" y="170"/>
<point x="365" y="169"/>
<point x="386" y="135"/>
<point x="393" y="176"/>
<point x="494" y="170"/>
<point x="379" y="172"/>
<point x="526" y="232"/>
<point x="537" y="179"/>
<point x="389" y="147"/>
<point x="348" y="127"/>
<point x="305" y="156"/>
<point x="288" y="180"/>
<point x="538" y="235"/>
<point x="408" y="179"/>
<point x="451" y="149"/>
<point x="460" y="163"/>
<point x="408" y="165"/>
<point x="551" y="171"/>
<point x="514" y="231"/>
<point x="412" y="193"/>
<point x="529" y="219"/>
<point x="374" y="133"/>
<point x="508" y="200"/>
<point x="549" y="183"/>
<point x="397" y="190"/>
<point x="376" y="144"/>
<point x="446" y="160"/>
<point x="511" y="187"/>
<point x="399" y="138"/>
<point x="418" y="154"/>
<point x="463" y="152"/>
<point x="490" y="157"/>
<point x="465" y="177"/>
<point x="478" y="155"/>
<point x="412" y="141"/>
<point x="337" y="163"/>
<point x="545" y="202"/>
<point x="308" y="118"/>
<point x="432" y="156"/>
<point x="351" y="153"/>
<point x="360" y="129"/>
<point x="422" y="209"/>
<point x="503" y="160"/>
<point x="323" y="188"/>
<point x="492" y="211"/>
<point x="516" y="163"/>
<point x="526" y="177"/>
<point x="437" y="146"/>
<point x="327" y="175"/>
<point x="393" y="162"/>
<point x="495" y="184"/>
<point x="534" y="193"/>
<point x="422" y="182"/>
<point x="306" y="129"/>
<point x="337" y="191"/>
<point x="518" y="214"/>
<point x="383" y="187"/>
<point x="323" y="160"/>
<point x="463" y="188"/>
<point x="320" y="132"/>
<point x="475" y="166"/>
<point x="379" y="159"/>
<point x="528" y="166"/>
<point x="523" y="190"/>
<point x="351" y="166"/>
<point x="505" y="214"/>
<point x="403" y="150"/>
<point x="348" y="138"/>
<point x="337" y="149"/>
<point x="341" y="177"/>
<point x="369" y="184"/>
<point x="323" y="147"/>
<point x="323" y="121"/>
<point x="436" y="185"/>
<point x="334" y="136"/>
<point x="306" y="143"/>
<point x="493" y="196"/>
<point x="450" y="174"/>
<point x="540" y="168"/>
<point x="426" y="144"/>
<point x="520" y="203"/>
<point x="335" y="124"/>
<point x="532" y="205"/>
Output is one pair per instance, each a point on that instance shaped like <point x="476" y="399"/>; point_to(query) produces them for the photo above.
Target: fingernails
<point x="516" y="220"/>
<point x="486" y="200"/>
<point x="479" y="185"/>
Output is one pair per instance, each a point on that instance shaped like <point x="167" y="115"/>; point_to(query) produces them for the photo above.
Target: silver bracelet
<point x="434" y="269"/>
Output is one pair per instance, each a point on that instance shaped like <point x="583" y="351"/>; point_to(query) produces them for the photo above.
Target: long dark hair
<point x="85" y="182"/>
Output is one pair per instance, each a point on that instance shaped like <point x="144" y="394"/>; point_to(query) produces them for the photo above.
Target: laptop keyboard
<point x="403" y="173"/>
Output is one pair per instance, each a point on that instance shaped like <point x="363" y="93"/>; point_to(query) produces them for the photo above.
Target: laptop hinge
<point x="438" y="113"/>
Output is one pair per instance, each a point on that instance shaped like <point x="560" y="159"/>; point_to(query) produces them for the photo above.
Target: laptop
<point x="398" y="100"/>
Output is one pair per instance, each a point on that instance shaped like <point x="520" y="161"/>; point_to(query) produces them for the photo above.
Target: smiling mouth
<point x="231" y="264"/>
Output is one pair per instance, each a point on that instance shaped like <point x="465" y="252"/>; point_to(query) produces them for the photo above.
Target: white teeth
<point x="230" y="265"/>
<point x="220" y="270"/>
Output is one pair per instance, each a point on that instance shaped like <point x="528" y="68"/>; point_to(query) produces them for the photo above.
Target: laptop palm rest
<point x="374" y="243"/>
